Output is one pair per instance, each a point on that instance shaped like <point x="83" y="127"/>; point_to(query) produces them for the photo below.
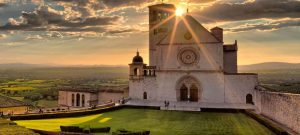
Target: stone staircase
<point x="181" y="108"/>
<point x="189" y="106"/>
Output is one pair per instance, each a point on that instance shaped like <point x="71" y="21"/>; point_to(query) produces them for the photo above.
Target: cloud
<point x="2" y="4"/>
<point x="115" y="5"/>
<point x="257" y="9"/>
<point x="270" y="26"/>
<point x="30" y="37"/>
<point x="45" y="18"/>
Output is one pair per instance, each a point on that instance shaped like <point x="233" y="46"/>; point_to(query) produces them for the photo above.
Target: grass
<point x="47" y="103"/>
<point x="160" y="122"/>
<point x="19" y="88"/>
<point x="6" y="129"/>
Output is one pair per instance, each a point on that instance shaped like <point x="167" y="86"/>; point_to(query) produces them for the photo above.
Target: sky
<point x="108" y="32"/>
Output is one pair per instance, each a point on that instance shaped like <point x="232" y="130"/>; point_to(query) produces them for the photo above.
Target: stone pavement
<point x="189" y="106"/>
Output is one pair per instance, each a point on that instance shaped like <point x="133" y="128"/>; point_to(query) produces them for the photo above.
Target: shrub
<point x="71" y="129"/>
<point x="12" y="123"/>
<point x="126" y="132"/>
<point x="100" y="130"/>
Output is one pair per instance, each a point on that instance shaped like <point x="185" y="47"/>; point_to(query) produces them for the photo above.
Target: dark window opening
<point x="77" y="99"/>
<point x="183" y="93"/>
<point x="136" y="70"/>
<point x="249" y="99"/>
<point x="83" y="100"/>
<point x="73" y="99"/>
<point x="145" y="95"/>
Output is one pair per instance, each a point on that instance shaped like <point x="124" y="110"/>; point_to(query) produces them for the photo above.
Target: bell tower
<point x="136" y="68"/>
<point x="161" y="19"/>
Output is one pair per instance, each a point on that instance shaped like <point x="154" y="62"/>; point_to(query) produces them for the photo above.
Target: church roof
<point x="184" y="36"/>
<point x="9" y="102"/>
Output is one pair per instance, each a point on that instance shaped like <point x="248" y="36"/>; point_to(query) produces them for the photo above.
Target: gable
<point x="184" y="35"/>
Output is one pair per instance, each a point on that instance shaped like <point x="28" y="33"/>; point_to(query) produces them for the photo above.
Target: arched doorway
<point x="194" y="93"/>
<point x="249" y="99"/>
<point x="145" y="95"/>
<point x="77" y="99"/>
<point x="183" y="93"/>
<point x="188" y="89"/>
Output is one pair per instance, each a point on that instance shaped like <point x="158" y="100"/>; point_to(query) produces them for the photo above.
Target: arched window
<point x="77" y="99"/>
<point x="73" y="99"/>
<point x="249" y="99"/>
<point x="145" y="95"/>
<point x="136" y="72"/>
<point x="83" y="100"/>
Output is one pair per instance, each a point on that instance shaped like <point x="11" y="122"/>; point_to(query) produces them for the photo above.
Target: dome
<point x="137" y="58"/>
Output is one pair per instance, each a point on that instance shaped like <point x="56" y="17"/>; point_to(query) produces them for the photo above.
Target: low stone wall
<point x="282" y="107"/>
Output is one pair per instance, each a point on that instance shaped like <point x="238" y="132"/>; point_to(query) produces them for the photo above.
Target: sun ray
<point x="162" y="22"/>
<point x="203" y="49"/>
<point x="172" y="37"/>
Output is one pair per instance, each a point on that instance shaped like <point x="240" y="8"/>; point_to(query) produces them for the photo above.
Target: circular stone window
<point x="188" y="56"/>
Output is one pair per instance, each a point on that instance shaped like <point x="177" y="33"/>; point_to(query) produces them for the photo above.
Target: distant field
<point x="39" y="85"/>
<point x="63" y="73"/>
<point x="160" y="122"/>
<point x="279" y="80"/>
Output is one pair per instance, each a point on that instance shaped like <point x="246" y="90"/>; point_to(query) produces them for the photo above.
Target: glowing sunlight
<point x="179" y="11"/>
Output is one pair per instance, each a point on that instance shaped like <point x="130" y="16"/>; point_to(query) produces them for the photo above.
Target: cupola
<point x="137" y="59"/>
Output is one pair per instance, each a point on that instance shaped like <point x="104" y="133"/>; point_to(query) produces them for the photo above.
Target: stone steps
<point x="181" y="108"/>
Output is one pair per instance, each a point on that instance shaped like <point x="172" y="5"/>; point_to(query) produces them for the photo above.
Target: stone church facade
<point x="188" y="63"/>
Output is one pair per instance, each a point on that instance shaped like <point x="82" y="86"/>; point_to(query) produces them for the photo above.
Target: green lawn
<point x="6" y="129"/>
<point x="160" y="122"/>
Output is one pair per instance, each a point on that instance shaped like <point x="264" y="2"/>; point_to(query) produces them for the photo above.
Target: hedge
<point x="126" y="132"/>
<point x="76" y="129"/>
<point x="100" y="130"/>
<point x="269" y="124"/>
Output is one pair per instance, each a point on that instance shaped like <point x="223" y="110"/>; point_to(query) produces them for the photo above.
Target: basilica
<point x="189" y="64"/>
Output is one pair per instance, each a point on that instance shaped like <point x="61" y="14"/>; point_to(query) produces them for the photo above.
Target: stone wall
<point x="230" y="62"/>
<point x="14" y="110"/>
<point x="65" y="98"/>
<point x="104" y="97"/>
<point x="238" y="86"/>
<point x="282" y="107"/>
<point x="210" y="57"/>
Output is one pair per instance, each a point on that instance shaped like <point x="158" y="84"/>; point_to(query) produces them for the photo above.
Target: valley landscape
<point x="38" y="84"/>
